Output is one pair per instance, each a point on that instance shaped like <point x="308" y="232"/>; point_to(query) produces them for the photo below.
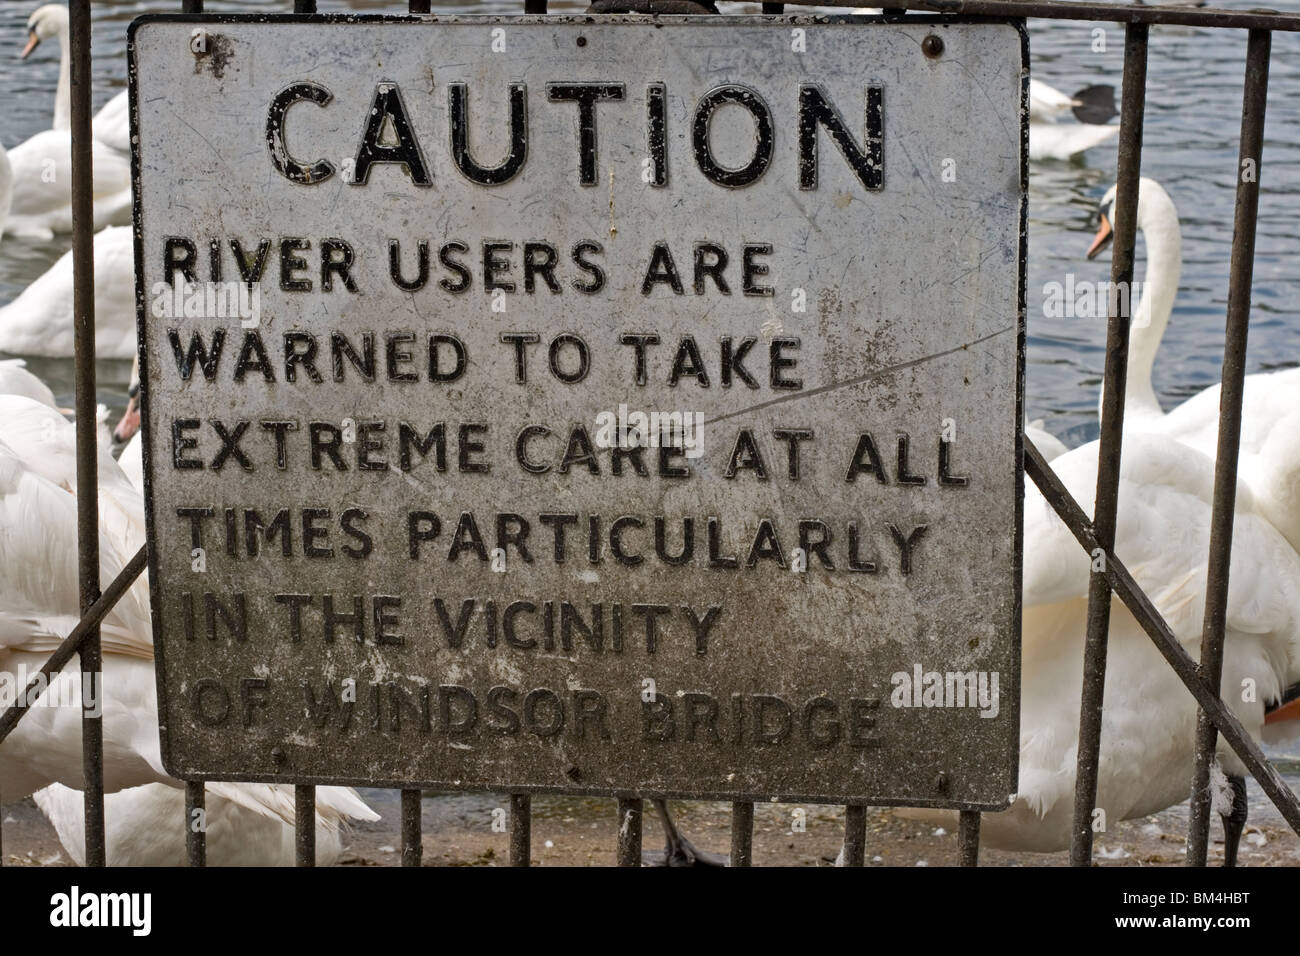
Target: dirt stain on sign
<point x="219" y="52"/>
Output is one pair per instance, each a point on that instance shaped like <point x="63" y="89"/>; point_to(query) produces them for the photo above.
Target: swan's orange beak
<point x="1102" y="237"/>
<point x="32" y="41"/>
<point x="1288" y="711"/>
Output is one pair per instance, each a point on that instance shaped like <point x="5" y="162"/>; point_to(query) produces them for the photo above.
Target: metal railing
<point x="1092" y="534"/>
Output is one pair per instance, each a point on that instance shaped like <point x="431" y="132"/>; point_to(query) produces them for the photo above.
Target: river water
<point x="1192" y="119"/>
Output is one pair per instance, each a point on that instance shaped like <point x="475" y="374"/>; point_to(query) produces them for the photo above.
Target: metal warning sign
<point x="610" y="405"/>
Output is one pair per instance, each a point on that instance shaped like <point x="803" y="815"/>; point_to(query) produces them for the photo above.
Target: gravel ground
<point x="580" y="831"/>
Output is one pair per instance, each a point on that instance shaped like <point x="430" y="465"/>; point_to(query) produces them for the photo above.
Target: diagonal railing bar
<point x="1254" y="99"/>
<point x="72" y="643"/>
<point x="1151" y="621"/>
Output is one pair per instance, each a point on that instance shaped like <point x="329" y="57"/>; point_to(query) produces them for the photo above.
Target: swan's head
<point x="44" y="23"/>
<point x="1154" y="205"/>
<point x="130" y="422"/>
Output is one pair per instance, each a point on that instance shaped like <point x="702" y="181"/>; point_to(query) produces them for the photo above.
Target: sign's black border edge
<point x="1017" y="23"/>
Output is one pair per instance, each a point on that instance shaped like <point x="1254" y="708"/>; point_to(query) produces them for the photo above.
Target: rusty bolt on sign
<point x="932" y="46"/>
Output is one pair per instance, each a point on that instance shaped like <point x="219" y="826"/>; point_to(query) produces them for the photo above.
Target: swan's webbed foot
<point x="1235" y="822"/>
<point x="677" y="851"/>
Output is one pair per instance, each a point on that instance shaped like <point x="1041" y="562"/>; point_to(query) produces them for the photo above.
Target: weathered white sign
<point x="605" y="405"/>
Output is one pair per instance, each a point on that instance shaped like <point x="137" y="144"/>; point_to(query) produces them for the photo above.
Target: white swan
<point x="131" y="461"/>
<point x="1049" y="139"/>
<point x="1148" y="723"/>
<point x="39" y="321"/>
<point x="47" y="444"/>
<point x="111" y="125"/>
<point x="1269" y="451"/>
<point x="16" y="380"/>
<point x="38" y="606"/>
<point x="42" y="186"/>
<point x="1048" y="445"/>
<point x="42" y="166"/>
<point x="1166" y="493"/>
<point x="144" y="826"/>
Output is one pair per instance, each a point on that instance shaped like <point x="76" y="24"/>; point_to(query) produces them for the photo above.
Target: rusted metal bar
<point x="855" y="835"/>
<point x="1112" y="432"/>
<point x="63" y="653"/>
<point x="304" y="824"/>
<point x="521" y="829"/>
<point x="196" y="823"/>
<point x="1109" y="12"/>
<point x="742" y="834"/>
<point x="968" y="837"/>
<point x="412" y="829"/>
<point x="83" y="313"/>
<point x="1254" y="98"/>
<point x="629" y="831"/>
<point x="1151" y="621"/>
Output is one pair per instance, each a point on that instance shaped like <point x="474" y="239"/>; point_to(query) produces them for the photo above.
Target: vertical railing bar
<point x="968" y="837"/>
<point x="412" y="829"/>
<point x="742" y="834"/>
<point x="855" y="835"/>
<point x="1112" y="429"/>
<point x="521" y="829"/>
<point x="196" y="823"/>
<point x="629" y="831"/>
<point x="83" y="310"/>
<point x="536" y="7"/>
<point x="1241" y="270"/>
<point x="191" y="6"/>
<point x="418" y="6"/>
<point x="773" y="9"/>
<point x="304" y="825"/>
<point x="304" y="6"/>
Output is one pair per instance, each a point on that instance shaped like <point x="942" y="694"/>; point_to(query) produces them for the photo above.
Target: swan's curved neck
<point x="63" y="94"/>
<point x="1154" y="301"/>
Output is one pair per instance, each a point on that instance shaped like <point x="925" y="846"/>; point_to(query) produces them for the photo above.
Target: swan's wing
<point x="131" y="461"/>
<point x="112" y="124"/>
<point x="1046" y="103"/>
<point x="47" y="444"/>
<point x="1266" y="399"/>
<point x="16" y="380"/>
<point x="39" y="321"/>
<point x="115" y="331"/>
<point x="334" y="805"/>
<point x="1063" y="140"/>
<point x="42" y="186"/>
<point x="38" y="569"/>
<point x="1163" y="536"/>
<point x="1048" y="445"/>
